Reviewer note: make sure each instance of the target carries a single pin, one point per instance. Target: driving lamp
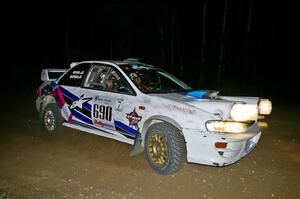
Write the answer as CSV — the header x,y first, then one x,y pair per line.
x,y
244,112
264,107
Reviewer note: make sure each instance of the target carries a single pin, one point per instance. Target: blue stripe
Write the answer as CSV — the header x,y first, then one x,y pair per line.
x,y
75,98
87,106
53,84
126,128
69,94
81,116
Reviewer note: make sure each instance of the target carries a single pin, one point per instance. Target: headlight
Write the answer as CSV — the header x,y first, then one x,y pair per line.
x,y
244,112
227,126
264,107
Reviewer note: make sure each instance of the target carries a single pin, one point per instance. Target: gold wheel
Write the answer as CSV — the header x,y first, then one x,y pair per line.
x,y
158,149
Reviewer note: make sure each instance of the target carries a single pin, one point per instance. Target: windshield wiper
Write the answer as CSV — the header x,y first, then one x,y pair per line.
x,y
180,90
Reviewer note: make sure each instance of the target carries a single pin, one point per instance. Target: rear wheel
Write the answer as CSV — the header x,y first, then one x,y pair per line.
x,y
51,118
165,148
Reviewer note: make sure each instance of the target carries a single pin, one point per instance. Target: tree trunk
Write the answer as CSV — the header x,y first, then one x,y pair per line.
x,y
111,46
179,51
45,50
203,40
67,40
222,44
172,39
203,49
162,45
246,47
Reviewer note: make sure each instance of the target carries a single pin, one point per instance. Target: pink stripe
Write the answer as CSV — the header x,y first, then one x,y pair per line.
x,y
70,119
59,97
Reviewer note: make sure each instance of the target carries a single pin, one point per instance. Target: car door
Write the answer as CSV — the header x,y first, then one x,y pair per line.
x,y
77,104
110,95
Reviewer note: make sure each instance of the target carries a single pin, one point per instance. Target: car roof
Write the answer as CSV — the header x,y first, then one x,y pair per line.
x,y
130,61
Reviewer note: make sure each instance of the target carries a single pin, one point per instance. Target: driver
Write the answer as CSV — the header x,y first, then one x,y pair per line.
x,y
111,83
137,79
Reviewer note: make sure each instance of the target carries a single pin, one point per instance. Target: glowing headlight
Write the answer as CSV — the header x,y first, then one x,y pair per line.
x,y
227,126
244,112
264,107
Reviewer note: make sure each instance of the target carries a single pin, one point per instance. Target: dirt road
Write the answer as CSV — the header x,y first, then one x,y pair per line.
x,y
73,164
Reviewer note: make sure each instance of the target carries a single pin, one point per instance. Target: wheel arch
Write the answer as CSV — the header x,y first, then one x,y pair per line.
x,y
48,99
155,119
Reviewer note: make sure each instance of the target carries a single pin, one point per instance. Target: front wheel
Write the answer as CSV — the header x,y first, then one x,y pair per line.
x,y
51,118
165,148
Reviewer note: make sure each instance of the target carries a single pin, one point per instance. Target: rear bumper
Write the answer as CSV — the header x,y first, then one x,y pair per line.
x,y
38,103
201,147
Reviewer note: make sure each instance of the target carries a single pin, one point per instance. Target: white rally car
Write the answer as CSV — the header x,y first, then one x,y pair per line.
x,y
152,110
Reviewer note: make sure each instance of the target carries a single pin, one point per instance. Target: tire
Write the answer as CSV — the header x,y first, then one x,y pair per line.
x,y
165,148
51,118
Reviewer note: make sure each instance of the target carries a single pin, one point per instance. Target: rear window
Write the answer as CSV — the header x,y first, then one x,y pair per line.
x,y
75,76
54,75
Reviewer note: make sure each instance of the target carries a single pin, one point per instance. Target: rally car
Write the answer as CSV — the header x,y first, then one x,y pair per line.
x,y
152,110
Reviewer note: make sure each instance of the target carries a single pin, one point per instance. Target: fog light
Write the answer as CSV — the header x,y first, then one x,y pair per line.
x,y
227,126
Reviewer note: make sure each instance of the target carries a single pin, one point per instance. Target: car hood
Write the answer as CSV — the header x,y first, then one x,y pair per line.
x,y
204,100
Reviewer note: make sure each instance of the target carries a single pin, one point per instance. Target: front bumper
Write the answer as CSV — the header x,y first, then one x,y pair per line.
x,y
201,147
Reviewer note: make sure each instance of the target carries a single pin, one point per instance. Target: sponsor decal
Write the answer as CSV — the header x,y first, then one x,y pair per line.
x,y
70,104
118,105
80,102
98,122
76,74
102,100
181,109
133,119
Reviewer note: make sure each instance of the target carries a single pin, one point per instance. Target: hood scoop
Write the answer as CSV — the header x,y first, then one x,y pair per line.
x,y
203,94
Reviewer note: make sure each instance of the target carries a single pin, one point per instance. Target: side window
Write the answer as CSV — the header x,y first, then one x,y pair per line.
x,y
103,77
74,76
116,82
97,76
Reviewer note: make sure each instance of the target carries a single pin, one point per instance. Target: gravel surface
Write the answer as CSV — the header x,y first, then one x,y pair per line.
x,y
74,164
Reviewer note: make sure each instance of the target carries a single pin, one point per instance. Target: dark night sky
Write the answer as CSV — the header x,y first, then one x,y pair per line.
x,y
50,34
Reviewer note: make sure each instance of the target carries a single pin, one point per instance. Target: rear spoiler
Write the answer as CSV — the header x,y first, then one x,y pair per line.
x,y
51,74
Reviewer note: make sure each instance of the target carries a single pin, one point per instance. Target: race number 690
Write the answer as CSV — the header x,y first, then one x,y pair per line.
x,y
102,112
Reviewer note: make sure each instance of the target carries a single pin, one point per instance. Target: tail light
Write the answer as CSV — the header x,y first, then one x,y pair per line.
x,y
38,92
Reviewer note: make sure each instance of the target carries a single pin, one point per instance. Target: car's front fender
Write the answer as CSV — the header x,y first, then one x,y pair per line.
x,y
155,119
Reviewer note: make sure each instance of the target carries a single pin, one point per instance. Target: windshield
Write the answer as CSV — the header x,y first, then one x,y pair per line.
x,y
153,80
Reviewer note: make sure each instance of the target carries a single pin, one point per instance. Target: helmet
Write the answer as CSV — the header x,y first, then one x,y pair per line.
x,y
133,75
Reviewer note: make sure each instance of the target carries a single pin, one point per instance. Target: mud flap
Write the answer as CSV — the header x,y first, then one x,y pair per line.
x,y
137,147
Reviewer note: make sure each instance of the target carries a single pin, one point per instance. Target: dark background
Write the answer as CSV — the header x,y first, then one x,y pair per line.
x,y
239,47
